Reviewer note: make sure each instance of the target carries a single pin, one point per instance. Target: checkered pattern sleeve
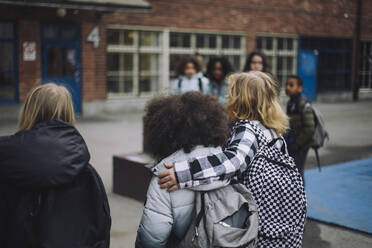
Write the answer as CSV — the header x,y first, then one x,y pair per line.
x,y
237,154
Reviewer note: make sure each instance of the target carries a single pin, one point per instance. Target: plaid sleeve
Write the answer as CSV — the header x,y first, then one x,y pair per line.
x,y
234,159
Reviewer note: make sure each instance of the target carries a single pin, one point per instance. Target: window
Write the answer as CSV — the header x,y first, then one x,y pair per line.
x,y
334,62
281,54
8,75
206,46
365,71
133,61
137,60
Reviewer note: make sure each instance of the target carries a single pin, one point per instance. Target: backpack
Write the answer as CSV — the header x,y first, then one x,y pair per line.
x,y
277,188
320,132
200,84
224,217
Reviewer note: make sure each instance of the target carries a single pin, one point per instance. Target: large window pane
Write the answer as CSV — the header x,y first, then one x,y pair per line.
x,y
120,84
200,41
50,32
269,43
259,43
113,61
149,74
182,40
365,71
235,62
225,41
236,40
231,42
113,37
120,37
206,41
120,73
61,62
69,33
150,39
127,38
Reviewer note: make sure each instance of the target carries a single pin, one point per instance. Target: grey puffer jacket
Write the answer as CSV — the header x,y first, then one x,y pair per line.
x,y
170,213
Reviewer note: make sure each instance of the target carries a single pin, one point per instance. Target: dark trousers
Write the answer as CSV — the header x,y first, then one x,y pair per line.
x,y
300,159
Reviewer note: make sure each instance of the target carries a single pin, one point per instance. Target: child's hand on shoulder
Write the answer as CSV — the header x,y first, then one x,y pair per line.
x,y
167,179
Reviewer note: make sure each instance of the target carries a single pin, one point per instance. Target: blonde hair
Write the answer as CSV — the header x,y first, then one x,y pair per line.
x,y
253,96
47,102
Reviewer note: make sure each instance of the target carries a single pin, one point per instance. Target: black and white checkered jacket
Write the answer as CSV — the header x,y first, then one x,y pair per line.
x,y
258,159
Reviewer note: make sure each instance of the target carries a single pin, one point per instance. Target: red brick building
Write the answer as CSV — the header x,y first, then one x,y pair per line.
x,y
114,55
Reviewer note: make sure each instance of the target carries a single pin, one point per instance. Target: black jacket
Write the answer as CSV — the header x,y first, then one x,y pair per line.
x,y
50,196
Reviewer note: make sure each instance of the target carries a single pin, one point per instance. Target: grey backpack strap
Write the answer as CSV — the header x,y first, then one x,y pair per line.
x,y
307,105
200,215
200,84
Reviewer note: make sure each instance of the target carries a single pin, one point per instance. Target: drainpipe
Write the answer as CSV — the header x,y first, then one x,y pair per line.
x,y
356,52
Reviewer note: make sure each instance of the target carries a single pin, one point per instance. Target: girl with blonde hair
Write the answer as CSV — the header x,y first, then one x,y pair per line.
x,y
256,135
50,195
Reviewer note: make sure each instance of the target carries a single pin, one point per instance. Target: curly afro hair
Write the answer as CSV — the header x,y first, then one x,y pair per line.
x,y
183,121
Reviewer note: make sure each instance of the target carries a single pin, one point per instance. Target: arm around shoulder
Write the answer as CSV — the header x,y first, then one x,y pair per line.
x,y
233,160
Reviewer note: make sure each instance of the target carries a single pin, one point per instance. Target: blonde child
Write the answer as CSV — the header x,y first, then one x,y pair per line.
x,y
51,195
258,119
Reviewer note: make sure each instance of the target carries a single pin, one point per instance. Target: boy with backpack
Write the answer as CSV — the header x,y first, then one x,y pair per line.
x,y
301,122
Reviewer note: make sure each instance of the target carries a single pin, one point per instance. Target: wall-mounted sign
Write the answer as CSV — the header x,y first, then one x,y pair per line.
x,y
29,51
94,37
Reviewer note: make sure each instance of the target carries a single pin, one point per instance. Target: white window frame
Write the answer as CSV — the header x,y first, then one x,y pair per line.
x,y
218,51
363,70
136,50
164,51
275,53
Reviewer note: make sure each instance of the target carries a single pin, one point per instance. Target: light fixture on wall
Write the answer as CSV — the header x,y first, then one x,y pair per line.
x,y
61,12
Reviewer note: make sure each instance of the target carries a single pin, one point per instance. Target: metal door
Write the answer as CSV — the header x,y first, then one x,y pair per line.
x,y
61,58
307,70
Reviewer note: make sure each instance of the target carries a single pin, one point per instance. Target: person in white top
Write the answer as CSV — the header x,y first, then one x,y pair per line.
x,y
190,78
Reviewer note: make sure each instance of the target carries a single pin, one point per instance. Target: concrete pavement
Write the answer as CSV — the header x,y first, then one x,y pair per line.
x,y
349,125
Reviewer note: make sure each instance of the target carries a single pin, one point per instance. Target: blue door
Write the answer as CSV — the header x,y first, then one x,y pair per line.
x,y
61,58
307,70
8,63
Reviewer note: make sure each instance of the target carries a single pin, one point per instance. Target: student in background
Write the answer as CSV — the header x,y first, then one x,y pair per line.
x,y
256,61
301,122
217,70
190,77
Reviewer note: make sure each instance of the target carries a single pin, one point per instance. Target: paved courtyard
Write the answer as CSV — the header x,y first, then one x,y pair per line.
x,y
349,125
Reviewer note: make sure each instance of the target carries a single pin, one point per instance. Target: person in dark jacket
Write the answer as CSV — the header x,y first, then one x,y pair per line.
x,y
301,122
51,197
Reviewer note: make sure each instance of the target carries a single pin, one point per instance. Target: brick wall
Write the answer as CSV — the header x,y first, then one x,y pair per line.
x,y
29,72
333,18
93,62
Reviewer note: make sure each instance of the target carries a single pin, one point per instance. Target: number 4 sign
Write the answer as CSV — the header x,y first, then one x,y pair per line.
x,y
94,37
